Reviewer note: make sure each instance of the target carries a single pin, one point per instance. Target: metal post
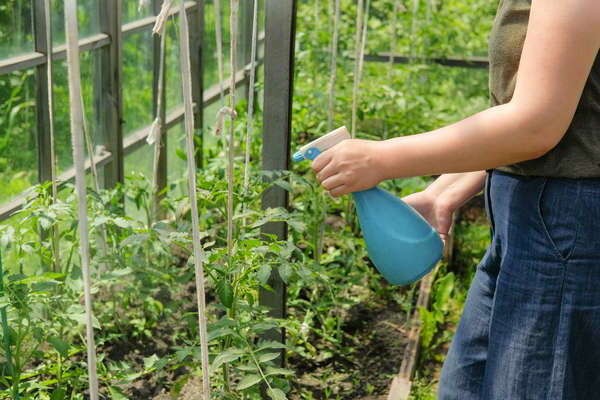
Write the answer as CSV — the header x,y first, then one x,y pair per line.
x,y
279,73
197,36
42,107
110,94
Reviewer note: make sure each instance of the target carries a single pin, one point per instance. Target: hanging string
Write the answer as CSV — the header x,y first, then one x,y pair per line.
x,y
79,159
231,147
219,37
251,96
333,73
53,173
191,161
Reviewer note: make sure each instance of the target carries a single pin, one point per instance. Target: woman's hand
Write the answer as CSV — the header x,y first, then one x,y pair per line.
x,y
435,209
350,166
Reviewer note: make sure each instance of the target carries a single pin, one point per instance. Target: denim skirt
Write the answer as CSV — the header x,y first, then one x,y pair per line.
x,y
531,323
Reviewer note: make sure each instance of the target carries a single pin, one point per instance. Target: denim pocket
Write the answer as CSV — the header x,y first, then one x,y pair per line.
x,y
559,214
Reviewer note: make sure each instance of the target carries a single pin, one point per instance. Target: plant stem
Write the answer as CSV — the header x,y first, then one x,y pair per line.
x,y
6,334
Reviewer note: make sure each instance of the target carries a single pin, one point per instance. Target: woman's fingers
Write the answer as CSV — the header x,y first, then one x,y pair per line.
x,y
321,161
340,191
332,182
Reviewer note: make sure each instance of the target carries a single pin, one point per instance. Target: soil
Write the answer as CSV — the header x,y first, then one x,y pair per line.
x,y
375,338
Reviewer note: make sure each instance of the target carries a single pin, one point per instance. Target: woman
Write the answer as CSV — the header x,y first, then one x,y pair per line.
x,y
531,323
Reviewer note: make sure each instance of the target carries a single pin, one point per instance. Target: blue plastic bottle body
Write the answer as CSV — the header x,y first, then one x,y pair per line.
x,y
400,242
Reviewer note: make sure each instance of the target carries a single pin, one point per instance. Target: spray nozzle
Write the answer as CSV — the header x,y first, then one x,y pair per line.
x,y
311,150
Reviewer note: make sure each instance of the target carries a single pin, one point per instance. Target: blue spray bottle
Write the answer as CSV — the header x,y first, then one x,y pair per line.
x,y
400,242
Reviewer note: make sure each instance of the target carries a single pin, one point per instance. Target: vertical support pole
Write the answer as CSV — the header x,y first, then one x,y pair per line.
x,y
156,61
197,36
279,73
41,89
110,107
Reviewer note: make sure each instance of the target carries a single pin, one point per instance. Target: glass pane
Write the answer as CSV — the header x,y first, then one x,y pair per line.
x,y
16,27
137,81
176,166
87,16
173,61
136,9
18,141
211,75
62,124
138,172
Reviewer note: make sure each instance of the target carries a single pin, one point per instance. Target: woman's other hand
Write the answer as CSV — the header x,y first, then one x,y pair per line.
x,y
435,209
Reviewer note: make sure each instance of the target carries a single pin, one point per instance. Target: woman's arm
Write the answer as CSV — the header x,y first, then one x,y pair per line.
x,y
443,197
562,43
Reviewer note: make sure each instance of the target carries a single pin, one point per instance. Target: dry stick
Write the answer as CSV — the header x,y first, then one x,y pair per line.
x,y
334,53
155,137
157,129
220,62
359,22
251,95
79,159
53,173
413,29
231,147
394,41
191,161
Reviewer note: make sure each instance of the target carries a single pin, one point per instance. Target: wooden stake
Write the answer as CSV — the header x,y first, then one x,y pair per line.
x,y
80,186
191,161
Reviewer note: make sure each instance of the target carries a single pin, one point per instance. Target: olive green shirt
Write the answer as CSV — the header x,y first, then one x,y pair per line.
x,y
578,153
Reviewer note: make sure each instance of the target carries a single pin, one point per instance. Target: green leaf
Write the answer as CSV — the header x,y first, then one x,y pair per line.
x,y
116,393
60,345
218,333
263,345
58,394
225,292
285,272
263,358
150,362
264,273
248,381
276,394
444,288
181,154
278,371
227,356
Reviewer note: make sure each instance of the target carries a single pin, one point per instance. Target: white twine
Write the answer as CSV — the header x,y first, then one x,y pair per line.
x,y
251,96
219,38
333,73
198,251
359,22
50,88
77,123
162,18
220,122
231,148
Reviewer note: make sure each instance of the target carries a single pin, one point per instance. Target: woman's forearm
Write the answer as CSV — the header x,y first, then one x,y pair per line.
x,y
499,136
454,190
